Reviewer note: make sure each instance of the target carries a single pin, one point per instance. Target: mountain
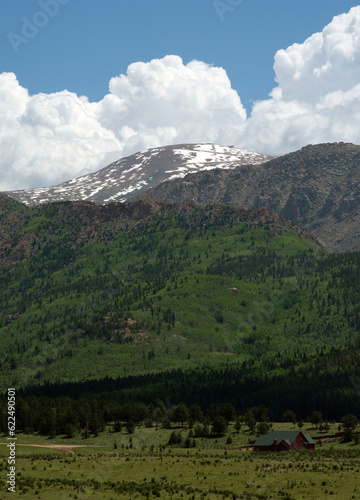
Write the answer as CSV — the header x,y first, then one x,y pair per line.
x,y
144,300
317,188
135,173
121,284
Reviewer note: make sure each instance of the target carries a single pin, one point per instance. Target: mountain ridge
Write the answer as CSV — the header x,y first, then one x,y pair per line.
x,y
87,221
316,187
133,174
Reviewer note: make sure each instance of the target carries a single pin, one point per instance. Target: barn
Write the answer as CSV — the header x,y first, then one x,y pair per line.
x,y
284,441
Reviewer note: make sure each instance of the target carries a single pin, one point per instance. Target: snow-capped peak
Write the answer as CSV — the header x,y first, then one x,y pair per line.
x,y
134,174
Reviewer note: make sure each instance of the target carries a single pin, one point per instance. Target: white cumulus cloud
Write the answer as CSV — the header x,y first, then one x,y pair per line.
x,y
318,93
324,63
49,138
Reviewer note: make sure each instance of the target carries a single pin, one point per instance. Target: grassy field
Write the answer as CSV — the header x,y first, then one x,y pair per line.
x,y
142,465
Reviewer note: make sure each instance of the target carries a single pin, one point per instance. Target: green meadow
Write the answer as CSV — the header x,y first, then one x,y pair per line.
x,y
143,465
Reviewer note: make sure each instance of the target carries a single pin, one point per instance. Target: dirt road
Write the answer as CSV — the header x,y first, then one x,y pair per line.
x,y
66,448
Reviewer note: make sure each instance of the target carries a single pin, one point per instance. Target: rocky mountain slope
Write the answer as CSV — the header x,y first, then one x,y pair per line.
x,y
317,188
135,173
24,231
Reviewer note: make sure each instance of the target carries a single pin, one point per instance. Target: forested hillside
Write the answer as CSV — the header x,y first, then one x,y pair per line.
x,y
204,303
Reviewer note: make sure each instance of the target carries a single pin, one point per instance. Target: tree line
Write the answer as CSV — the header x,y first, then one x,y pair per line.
x,y
65,416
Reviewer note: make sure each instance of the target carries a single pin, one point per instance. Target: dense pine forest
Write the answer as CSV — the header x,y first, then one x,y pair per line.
x,y
201,305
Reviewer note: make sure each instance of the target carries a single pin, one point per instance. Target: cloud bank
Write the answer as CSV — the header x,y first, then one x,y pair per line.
x,y
318,94
49,138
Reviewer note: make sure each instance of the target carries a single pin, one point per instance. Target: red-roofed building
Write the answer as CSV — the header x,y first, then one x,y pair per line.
x,y
284,441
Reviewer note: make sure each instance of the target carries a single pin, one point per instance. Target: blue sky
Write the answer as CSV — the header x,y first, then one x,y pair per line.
x,y
84,83
88,42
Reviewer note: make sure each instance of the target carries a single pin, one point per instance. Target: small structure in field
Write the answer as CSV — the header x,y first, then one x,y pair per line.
x,y
284,441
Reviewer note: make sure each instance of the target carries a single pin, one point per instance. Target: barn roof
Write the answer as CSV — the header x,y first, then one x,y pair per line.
x,y
287,436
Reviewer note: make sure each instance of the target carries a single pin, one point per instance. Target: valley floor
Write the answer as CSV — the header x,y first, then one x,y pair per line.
x,y
144,468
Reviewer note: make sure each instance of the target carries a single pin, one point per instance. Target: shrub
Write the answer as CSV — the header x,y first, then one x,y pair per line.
x,y
262,428
219,426
130,427
175,438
